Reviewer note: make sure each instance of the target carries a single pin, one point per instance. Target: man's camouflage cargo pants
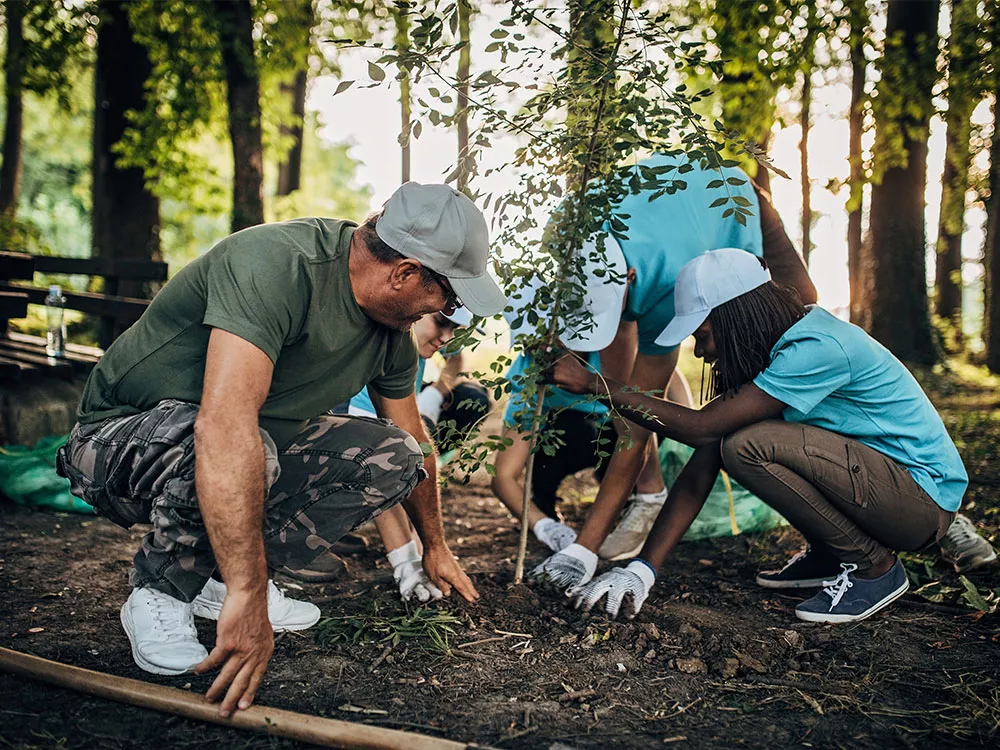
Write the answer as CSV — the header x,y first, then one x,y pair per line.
x,y
335,475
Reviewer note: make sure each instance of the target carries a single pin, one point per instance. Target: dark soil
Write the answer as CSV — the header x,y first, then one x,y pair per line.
x,y
712,660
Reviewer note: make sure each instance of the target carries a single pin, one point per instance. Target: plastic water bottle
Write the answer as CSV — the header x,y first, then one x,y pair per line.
x,y
55,307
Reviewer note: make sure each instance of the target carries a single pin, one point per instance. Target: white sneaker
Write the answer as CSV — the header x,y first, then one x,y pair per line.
x,y
284,613
633,528
161,631
964,548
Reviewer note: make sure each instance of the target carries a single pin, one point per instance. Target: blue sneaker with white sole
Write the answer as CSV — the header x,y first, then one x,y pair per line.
x,y
848,598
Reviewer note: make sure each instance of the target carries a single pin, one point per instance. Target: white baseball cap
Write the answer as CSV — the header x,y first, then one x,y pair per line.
x,y
522,300
443,229
706,282
605,274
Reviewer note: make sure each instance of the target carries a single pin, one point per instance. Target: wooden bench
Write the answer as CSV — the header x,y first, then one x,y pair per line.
x,y
21,354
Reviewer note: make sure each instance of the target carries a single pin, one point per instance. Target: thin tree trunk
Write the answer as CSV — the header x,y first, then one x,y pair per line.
x,y
855,262
804,166
462,115
290,170
955,181
235,19
991,246
10,172
125,215
900,314
405,104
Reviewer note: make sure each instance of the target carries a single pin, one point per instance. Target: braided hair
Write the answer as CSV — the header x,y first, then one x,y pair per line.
x,y
745,329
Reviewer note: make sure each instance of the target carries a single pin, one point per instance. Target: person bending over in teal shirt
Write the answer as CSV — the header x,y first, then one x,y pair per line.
x,y
814,417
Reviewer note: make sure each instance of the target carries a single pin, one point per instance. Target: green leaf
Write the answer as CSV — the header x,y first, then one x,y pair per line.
x,y
719,202
739,200
417,129
714,184
375,72
343,86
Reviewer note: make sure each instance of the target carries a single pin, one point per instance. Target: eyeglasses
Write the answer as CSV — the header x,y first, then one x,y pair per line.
x,y
451,299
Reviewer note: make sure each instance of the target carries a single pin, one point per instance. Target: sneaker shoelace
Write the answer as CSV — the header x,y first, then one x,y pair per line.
x,y
961,533
800,555
170,620
836,588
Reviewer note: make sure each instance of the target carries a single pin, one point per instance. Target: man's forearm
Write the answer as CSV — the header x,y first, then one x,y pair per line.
x,y
424,505
229,479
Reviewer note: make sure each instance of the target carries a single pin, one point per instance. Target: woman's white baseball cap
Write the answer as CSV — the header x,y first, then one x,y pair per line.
x,y
445,231
706,282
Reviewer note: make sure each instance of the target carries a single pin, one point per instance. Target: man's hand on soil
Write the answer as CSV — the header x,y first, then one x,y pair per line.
x,y
444,571
634,581
244,643
574,566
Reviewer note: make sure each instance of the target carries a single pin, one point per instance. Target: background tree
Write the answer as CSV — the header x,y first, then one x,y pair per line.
x,y
43,40
857,23
234,20
899,306
10,171
963,62
125,215
465,162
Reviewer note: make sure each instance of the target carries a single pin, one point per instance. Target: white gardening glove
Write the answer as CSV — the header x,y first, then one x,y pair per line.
x,y
571,567
635,579
556,536
429,403
409,573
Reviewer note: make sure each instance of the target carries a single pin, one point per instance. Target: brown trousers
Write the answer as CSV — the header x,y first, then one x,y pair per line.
x,y
845,498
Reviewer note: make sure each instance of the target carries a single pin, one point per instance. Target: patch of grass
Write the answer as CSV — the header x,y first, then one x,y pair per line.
x,y
427,627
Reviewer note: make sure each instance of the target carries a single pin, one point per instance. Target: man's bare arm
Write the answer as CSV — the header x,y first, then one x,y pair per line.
x,y
229,479
424,503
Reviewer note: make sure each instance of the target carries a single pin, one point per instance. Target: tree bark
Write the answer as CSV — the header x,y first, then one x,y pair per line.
x,y
991,246
290,170
126,214
405,104
10,172
462,115
855,261
955,181
235,24
804,166
900,314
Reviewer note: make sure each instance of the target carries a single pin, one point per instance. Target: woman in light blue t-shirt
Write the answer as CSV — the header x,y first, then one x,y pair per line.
x,y
814,417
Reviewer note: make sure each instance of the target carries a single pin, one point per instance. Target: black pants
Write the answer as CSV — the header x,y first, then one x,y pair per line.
x,y
469,402
584,437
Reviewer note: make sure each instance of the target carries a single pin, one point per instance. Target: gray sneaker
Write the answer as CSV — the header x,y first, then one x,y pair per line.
x,y
629,536
848,598
964,548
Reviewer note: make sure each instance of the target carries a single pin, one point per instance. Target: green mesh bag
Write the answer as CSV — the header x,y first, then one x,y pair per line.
x,y
730,508
28,477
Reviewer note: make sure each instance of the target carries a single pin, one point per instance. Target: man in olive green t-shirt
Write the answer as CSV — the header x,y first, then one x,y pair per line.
x,y
208,419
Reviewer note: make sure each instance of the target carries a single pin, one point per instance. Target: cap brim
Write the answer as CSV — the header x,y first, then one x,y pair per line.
x,y
601,331
481,295
681,327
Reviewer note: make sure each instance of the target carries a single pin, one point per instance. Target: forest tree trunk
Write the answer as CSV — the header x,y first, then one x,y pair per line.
x,y
235,24
855,261
290,169
10,172
955,181
900,314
